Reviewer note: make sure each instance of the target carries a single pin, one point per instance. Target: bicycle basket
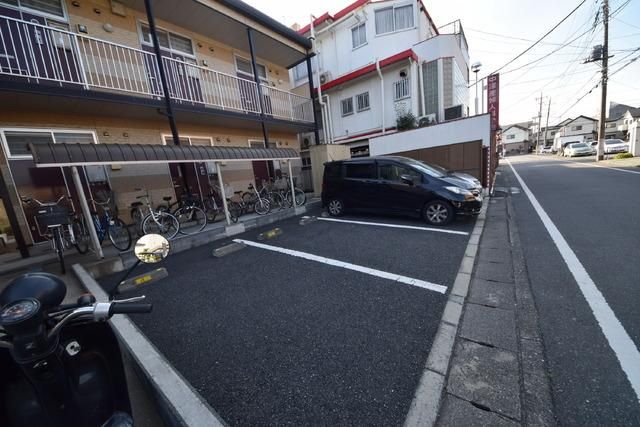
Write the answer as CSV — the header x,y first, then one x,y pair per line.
x,y
48,216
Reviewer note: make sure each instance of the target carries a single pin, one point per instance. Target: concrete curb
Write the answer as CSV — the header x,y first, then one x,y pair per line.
x,y
428,396
185,404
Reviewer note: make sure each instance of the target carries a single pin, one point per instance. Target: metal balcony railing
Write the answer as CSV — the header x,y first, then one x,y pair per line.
x,y
38,53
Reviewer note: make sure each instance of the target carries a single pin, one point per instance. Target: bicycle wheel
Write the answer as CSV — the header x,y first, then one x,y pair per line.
x,y
301,198
136,220
262,206
162,223
119,234
80,235
191,218
58,245
276,200
211,210
235,210
249,200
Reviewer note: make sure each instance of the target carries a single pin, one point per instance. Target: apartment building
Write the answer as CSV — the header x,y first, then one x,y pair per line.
x,y
87,71
377,61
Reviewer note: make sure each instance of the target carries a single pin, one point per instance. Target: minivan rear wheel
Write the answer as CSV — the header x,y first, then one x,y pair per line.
x,y
335,207
438,212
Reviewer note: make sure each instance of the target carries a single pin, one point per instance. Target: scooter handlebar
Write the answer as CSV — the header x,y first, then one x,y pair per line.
x,y
128,308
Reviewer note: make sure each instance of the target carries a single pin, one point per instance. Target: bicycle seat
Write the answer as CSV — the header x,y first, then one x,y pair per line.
x,y
136,204
166,198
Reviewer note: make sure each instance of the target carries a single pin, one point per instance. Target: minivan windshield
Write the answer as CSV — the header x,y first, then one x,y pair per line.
x,y
436,172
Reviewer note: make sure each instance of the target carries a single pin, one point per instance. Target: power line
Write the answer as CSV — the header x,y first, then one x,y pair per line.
x,y
540,39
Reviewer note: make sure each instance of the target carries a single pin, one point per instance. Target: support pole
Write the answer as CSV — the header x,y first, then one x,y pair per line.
x,y
254,66
13,219
546,127
293,193
95,242
605,71
539,125
313,94
223,196
163,76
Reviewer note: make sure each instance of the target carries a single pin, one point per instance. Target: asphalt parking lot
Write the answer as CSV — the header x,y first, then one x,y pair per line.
x,y
329,323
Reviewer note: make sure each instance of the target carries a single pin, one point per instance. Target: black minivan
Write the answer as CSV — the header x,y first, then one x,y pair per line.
x,y
399,185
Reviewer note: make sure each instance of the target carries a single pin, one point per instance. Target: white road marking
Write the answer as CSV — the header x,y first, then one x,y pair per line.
x,y
334,262
585,164
381,224
618,338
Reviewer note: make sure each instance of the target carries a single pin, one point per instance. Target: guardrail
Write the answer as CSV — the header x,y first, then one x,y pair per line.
x,y
38,52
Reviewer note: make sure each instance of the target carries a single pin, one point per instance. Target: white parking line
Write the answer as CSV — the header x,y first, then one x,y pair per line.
x,y
381,224
618,338
334,262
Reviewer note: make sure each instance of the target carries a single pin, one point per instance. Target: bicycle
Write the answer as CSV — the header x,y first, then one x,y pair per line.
x,y
213,207
274,197
190,215
155,221
105,225
253,201
300,196
54,223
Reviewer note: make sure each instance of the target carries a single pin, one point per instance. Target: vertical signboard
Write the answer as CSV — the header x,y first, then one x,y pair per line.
x,y
493,108
493,100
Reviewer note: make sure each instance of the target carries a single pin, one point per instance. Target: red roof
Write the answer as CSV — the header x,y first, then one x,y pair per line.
x,y
353,6
370,68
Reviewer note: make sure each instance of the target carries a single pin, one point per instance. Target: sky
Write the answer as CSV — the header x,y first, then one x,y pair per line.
x,y
498,30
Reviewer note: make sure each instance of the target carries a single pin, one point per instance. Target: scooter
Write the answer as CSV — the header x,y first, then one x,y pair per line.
x,y
60,365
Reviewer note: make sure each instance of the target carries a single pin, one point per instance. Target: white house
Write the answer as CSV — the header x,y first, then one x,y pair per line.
x,y
515,139
378,60
582,128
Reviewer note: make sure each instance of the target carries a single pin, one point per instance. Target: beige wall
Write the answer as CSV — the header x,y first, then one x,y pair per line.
x,y
125,31
125,178
320,154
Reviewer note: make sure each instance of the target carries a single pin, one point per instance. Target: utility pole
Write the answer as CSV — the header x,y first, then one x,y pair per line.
x,y
539,125
546,127
605,70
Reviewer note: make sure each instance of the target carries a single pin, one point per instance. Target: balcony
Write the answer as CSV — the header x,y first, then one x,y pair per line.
x,y
43,55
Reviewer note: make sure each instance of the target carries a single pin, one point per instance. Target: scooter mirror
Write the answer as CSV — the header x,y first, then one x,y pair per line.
x,y
151,248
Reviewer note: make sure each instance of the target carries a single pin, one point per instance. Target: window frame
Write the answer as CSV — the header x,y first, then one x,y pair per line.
x,y
342,103
394,7
261,141
27,9
368,107
263,80
169,49
52,131
357,27
414,171
407,85
164,137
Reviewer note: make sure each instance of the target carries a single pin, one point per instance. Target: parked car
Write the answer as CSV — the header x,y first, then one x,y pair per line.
x,y
579,149
612,146
401,186
546,150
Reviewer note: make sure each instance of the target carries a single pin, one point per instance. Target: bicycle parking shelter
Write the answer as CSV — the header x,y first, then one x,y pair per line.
x,y
74,155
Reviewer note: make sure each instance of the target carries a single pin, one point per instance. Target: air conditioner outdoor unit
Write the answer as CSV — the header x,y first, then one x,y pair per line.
x,y
325,77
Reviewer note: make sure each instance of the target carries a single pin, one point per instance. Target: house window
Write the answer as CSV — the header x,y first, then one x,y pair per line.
x,y
511,137
258,143
347,106
18,140
401,89
300,72
358,35
244,67
579,127
47,7
189,140
362,101
395,18
168,40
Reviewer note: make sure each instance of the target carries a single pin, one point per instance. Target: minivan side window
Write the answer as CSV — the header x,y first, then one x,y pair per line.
x,y
332,170
361,170
393,172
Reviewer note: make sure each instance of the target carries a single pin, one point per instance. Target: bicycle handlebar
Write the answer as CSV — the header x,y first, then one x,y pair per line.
x,y
33,199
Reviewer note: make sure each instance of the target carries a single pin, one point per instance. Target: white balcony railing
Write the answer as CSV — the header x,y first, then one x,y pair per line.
x,y
38,53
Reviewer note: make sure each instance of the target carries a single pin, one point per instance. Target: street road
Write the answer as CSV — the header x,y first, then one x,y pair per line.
x,y
591,343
